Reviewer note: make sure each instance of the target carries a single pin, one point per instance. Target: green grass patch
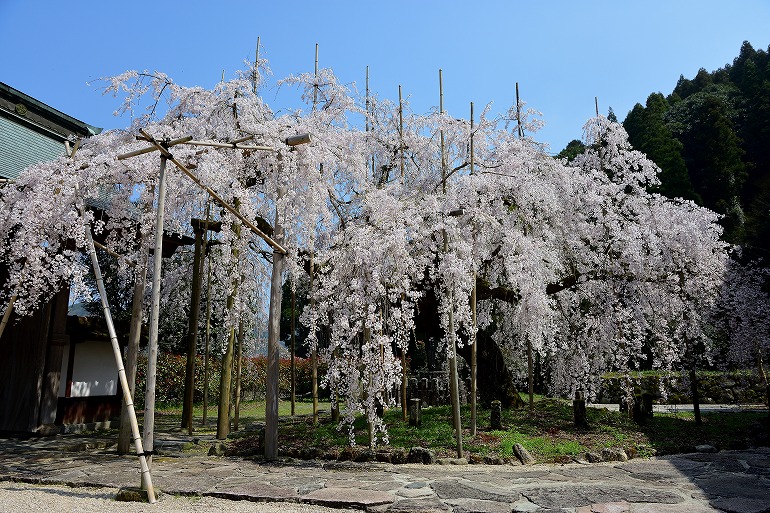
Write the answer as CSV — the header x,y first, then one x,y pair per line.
x,y
547,431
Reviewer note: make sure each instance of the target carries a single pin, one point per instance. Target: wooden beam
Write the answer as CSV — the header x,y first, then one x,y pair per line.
x,y
149,149
232,145
214,195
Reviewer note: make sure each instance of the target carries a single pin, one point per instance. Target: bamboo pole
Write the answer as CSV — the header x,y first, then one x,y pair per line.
x,y
474,327
314,352
518,113
401,131
144,460
441,133
369,126
256,68
150,149
230,145
293,350
530,367
404,406
454,388
315,84
152,358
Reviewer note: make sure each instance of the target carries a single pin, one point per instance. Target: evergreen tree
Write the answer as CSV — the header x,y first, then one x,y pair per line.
x,y
714,160
647,132
574,148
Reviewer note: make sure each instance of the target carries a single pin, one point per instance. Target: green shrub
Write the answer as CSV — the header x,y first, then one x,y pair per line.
x,y
170,373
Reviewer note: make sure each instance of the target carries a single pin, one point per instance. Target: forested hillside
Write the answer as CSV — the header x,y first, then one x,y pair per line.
x,y
711,138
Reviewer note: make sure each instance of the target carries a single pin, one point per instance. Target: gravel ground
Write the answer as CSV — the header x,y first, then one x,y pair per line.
x,y
18,497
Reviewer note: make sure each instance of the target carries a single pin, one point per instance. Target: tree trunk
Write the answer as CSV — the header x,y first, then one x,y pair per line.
x,y
192,336
238,372
132,352
695,395
226,381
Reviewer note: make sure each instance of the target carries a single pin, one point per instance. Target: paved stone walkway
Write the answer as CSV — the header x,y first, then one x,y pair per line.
x,y
732,481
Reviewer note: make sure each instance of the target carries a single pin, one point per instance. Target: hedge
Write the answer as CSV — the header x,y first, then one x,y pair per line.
x,y
169,379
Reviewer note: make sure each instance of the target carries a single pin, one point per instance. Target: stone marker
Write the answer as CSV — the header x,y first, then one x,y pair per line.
x,y
496,415
579,410
524,456
421,455
614,454
415,412
134,494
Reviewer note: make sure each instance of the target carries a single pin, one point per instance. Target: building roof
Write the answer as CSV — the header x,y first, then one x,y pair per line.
x,y
32,132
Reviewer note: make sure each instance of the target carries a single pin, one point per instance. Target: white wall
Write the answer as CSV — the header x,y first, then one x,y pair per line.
x,y
94,371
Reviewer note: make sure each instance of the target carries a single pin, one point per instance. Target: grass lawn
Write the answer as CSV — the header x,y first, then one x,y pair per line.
x,y
547,431
170,416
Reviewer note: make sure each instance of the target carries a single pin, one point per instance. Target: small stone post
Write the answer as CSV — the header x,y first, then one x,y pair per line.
x,y
579,410
496,415
415,412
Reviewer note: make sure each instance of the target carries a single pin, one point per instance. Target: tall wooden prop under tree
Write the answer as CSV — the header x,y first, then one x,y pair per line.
x,y
132,351
454,386
192,329
226,380
474,327
238,374
274,329
152,356
206,342
293,350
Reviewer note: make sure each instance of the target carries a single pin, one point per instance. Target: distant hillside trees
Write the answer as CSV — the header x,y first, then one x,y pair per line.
x,y
710,137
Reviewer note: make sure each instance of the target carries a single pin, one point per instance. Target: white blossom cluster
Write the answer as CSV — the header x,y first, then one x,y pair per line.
x,y
576,258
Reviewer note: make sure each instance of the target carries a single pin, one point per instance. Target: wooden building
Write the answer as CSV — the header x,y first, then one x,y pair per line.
x,y
55,369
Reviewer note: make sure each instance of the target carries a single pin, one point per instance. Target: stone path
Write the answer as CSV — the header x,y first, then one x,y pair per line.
x,y
732,481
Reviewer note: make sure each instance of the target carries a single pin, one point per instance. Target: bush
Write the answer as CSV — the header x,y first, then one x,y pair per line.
x,y
169,378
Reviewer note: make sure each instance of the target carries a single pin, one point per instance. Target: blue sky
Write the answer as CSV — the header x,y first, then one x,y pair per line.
x,y
562,53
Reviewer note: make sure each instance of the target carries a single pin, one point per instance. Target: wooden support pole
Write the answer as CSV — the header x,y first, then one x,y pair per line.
x,y
192,335
132,351
293,350
441,133
274,330
212,194
315,85
232,145
152,350
225,382
144,461
404,406
454,387
474,327
530,375
518,113
150,149
206,342
401,133
256,69
369,126
238,373
314,352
